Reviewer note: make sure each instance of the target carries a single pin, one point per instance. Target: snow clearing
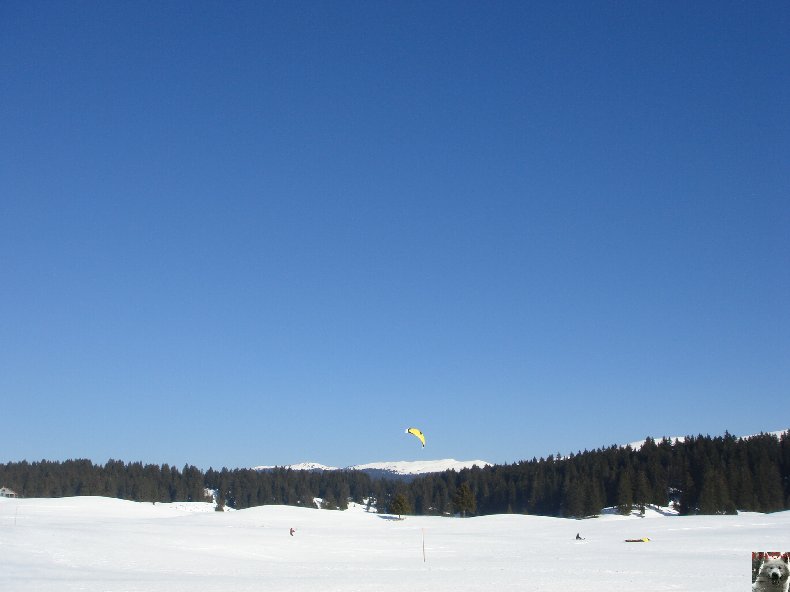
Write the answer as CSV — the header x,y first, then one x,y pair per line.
x,y
98,544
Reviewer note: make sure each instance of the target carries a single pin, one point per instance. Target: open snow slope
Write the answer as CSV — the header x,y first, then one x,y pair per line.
x,y
107,545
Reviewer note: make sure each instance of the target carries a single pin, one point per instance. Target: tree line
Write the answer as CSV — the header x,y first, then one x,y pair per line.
x,y
700,475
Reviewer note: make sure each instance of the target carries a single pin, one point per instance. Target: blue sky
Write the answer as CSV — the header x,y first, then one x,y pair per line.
x,y
241,233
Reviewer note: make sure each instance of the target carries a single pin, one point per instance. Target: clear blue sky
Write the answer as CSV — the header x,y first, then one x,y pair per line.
x,y
240,233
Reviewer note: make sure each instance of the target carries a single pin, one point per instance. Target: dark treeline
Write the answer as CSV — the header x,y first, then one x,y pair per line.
x,y
130,481
246,488
700,475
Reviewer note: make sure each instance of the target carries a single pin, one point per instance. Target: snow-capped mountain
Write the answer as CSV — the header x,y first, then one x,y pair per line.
x,y
304,466
420,467
393,470
406,470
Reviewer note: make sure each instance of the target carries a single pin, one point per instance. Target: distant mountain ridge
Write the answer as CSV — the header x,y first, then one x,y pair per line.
x,y
303,466
402,469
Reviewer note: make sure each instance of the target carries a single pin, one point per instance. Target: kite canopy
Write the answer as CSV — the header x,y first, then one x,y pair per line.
x,y
418,434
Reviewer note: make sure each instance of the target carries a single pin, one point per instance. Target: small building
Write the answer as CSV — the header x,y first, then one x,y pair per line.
x,y
5,492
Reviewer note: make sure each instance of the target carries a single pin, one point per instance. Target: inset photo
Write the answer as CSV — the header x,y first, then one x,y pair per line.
x,y
770,571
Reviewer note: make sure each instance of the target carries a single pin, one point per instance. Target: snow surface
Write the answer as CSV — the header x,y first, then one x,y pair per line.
x,y
95,544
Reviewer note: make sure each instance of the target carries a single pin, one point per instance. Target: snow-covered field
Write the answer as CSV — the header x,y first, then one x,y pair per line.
x,y
99,544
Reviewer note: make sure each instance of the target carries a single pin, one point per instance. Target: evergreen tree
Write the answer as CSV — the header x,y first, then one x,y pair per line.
x,y
400,505
329,502
642,492
572,502
593,500
464,499
625,496
768,480
688,498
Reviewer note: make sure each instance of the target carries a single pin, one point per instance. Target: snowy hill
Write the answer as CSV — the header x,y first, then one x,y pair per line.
x,y
98,544
403,469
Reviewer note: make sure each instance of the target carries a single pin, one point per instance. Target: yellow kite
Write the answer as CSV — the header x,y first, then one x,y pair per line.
x,y
417,433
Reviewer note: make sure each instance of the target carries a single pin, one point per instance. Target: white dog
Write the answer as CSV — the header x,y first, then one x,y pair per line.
x,y
774,575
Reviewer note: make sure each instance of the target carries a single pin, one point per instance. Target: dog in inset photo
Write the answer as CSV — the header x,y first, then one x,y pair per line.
x,y
773,575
